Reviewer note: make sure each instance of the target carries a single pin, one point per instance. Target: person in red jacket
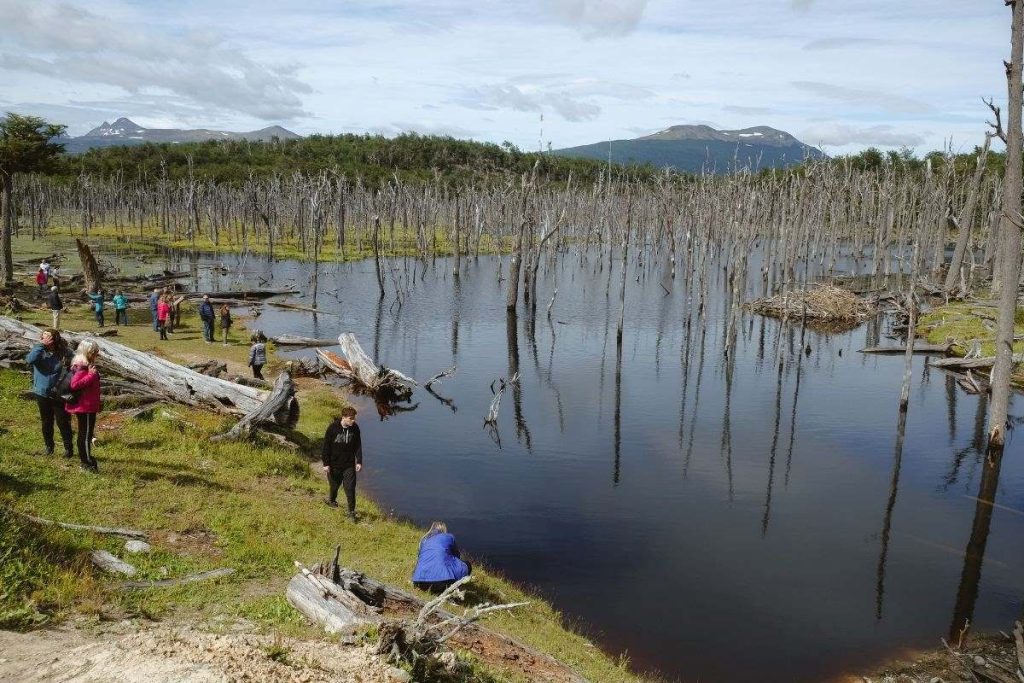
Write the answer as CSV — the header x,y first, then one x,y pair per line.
x,y
163,313
85,385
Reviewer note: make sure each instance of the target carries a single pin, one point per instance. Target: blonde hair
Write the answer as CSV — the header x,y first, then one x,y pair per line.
x,y
86,352
436,528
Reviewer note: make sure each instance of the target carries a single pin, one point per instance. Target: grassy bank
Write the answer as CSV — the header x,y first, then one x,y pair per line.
x,y
962,324
252,506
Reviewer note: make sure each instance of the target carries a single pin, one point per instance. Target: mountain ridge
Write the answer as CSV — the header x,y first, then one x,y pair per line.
x,y
125,132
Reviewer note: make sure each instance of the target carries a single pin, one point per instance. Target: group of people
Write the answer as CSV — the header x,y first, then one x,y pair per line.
x,y
45,275
66,384
97,301
439,563
209,318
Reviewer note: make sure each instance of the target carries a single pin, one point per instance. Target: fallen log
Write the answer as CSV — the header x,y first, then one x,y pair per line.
x,y
294,340
964,363
191,578
281,409
301,307
111,564
318,600
170,380
918,348
243,293
109,531
213,368
366,372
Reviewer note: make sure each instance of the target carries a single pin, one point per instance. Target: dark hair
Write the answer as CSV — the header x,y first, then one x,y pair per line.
x,y
348,411
60,347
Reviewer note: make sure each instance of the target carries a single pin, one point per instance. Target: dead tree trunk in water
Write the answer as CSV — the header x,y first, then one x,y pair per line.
x,y
376,255
1011,224
90,269
966,220
622,290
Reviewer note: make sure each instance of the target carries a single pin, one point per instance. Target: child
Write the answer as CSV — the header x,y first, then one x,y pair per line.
x,y
258,355
163,312
120,309
41,280
85,383
97,305
342,457
225,321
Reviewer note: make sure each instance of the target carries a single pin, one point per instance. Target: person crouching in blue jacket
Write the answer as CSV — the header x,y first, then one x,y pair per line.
x,y
439,565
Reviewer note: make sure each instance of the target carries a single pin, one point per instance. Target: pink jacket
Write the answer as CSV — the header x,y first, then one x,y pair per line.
x,y
163,310
86,383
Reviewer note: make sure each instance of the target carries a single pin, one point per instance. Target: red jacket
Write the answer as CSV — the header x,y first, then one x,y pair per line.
x,y
86,383
163,310
41,277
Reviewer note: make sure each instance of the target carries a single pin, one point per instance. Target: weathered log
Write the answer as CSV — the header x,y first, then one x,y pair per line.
x,y
243,293
109,531
112,564
170,380
90,269
213,368
302,307
191,578
359,367
918,348
281,408
964,363
318,599
251,382
294,340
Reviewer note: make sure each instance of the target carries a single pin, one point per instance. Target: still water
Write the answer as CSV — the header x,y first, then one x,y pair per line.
x,y
716,520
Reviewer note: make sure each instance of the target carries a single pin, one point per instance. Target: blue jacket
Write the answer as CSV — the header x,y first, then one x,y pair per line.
x,y
97,302
46,368
439,560
206,311
120,302
153,300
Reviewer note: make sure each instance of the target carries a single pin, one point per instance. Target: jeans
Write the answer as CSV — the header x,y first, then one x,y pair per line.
x,y
345,479
156,323
208,330
121,316
99,318
86,429
52,410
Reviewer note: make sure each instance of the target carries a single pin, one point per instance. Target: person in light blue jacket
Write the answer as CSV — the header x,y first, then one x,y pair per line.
x,y
97,305
439,564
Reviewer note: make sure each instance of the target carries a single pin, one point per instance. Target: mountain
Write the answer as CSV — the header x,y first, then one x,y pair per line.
x,y
126,132
702,148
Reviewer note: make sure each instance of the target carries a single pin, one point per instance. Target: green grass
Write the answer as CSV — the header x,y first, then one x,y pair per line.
x,y
252,506
964,323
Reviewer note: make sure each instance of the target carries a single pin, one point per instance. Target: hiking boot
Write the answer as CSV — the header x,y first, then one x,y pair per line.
x,y
352,516
330,503
91,467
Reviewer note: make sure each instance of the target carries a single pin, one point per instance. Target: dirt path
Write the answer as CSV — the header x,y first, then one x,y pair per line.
x,y
166,654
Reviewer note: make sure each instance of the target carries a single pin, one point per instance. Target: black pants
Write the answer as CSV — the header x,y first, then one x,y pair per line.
x,y
86,428
121,316
163,328
257,371
52,410
437,587
346,479
99,318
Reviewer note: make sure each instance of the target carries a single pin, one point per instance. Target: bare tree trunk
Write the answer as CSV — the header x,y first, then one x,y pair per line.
x,y
376,255
6,259
1010,232
90,269
966,220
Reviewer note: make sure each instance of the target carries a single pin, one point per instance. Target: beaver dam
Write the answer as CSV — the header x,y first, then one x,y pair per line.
x,y
728,476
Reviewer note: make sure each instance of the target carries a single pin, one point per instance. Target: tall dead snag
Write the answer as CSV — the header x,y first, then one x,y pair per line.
x,y
515,265
1011,223
90,269
966,220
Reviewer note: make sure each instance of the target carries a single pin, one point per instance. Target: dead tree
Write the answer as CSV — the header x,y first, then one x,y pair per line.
x,y
281,409
966,220
90,269
1011,223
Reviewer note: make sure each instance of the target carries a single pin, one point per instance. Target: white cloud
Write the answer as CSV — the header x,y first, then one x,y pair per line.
x,y
887,102
599,17
840,135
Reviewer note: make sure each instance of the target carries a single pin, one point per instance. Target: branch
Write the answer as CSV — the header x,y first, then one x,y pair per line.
x,y
997,127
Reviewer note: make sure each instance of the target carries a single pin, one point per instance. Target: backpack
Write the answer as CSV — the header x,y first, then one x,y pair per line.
x,y
61,389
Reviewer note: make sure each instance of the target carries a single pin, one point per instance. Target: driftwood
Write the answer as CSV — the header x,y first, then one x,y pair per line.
x,y
90,269
964,363
439,377
251,382
330,603
358,367
918,348
112,564
293,340
191,578
243,293
213,368
170,380
302,307
109,531
281,408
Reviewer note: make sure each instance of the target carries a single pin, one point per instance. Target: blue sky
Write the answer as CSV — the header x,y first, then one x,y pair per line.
x,y
841,74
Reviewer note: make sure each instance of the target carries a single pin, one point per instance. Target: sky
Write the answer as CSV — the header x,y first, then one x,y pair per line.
x,y
840,74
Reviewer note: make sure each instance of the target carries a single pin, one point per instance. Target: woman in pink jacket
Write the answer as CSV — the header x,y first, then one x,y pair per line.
x,y
163,313
85,385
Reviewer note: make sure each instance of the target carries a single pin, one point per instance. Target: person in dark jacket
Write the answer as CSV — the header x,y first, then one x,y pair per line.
x,y
258,354
49,360
208,316
55,305
225,321
342,458
154,299
439,565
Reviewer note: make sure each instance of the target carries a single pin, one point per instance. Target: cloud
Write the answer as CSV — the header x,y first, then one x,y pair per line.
x,y
492,97
840,134
747,111
840,43
887,102
72,44
801,4
594,18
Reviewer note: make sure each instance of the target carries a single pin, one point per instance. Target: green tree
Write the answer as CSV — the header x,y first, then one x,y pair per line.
x,y
26,145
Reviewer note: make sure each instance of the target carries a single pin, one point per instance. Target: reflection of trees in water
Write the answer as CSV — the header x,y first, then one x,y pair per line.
x,y
890,505
974,554
512,343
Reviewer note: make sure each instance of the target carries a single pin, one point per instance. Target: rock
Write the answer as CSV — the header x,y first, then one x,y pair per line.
x,y
399,675
134,546
936,680
980,661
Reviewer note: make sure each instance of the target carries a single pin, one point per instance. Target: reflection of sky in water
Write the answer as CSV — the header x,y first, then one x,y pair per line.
x,y
707,558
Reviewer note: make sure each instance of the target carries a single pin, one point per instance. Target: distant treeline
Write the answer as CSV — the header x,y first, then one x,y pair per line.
x,y
375,160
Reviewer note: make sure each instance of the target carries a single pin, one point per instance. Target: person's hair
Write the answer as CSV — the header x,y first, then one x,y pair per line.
x,y
258,337
348,411
436,527
53,289
86,352
156,290
206,296
60,347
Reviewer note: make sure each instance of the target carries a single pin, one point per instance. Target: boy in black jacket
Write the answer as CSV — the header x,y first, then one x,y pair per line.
x,y
342,457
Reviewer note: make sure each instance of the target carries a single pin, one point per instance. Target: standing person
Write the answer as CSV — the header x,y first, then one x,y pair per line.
x,y
56,306
49,359
45,266
154,299
52,274
258,355
120,308
163,312
342,458
207,315
41,278
97,305
439,564
225,321
85,382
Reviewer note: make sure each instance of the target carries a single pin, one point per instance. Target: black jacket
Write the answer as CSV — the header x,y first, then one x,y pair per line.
x,y
342,446
54,301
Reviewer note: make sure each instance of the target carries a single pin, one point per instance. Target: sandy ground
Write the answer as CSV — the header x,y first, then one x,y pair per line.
x,y
164,654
